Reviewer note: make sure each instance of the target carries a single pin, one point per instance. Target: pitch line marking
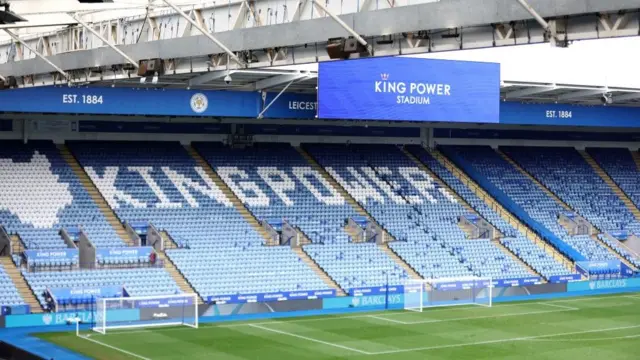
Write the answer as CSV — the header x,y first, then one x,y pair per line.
x,y
431,321
113,347
591,339
489,342
387,319
309,339
559,306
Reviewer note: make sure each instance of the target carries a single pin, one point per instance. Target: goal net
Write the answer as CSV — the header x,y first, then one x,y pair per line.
x,y
148,311
419,294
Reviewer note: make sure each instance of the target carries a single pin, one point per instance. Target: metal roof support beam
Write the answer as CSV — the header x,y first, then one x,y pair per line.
x,y
297,13
210,76
364,5
581,94
353,33
38,54
105,41
205,33
534,13
279,80
531,91
261,115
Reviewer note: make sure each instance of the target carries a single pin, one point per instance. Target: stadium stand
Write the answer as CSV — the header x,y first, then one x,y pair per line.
x,y
288,188
621,167
137,282
9,295
528,196
161,183
526,250
419,214
565,172
40,195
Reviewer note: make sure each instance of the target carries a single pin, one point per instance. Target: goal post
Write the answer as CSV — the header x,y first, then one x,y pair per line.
x,y
424,293
146,311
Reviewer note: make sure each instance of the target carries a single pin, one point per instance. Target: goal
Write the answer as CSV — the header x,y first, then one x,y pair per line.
x,y
147,311
420,294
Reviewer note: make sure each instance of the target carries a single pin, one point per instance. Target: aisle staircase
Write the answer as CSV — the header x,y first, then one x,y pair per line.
x,y
444,185
635,154
342,191
398,260
167,240
20,283
500,210
177,276
469,208
95,194
237,203
17,246
614,187
318,270
534,180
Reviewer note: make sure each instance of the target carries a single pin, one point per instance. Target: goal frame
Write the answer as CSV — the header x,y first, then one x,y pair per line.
x,y
419,288
101,321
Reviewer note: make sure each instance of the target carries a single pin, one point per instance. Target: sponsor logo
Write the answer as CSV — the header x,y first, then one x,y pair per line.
x,y
355,301
412,93
160,315
199,103
607,284
46,319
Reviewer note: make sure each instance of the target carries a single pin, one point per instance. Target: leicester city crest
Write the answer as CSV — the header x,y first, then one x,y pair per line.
x,y
199,103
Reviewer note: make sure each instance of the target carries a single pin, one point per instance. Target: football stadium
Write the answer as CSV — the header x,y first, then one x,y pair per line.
x,y
315,179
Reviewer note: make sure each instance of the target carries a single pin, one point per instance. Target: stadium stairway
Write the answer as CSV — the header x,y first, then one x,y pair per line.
x,y
318,270
360,210
167,240
440,182
395,257
177,276
95,194
614,187
344,193
562,203
467,206
20,283
534,180
237,203
636,158
498,208
17,246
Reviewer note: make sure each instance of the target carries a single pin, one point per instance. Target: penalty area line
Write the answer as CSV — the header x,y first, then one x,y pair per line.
x,y
113,347
499,341
309,339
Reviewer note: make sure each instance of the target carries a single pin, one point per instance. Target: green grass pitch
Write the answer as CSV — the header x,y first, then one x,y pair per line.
x,y
599,328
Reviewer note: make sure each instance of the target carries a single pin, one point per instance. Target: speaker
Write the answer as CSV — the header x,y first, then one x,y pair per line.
x,y
351,46
150,67
336,51
12,82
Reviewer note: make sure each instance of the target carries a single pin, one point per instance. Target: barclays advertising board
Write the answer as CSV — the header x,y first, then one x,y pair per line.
x,y
410,89
46,319
613,284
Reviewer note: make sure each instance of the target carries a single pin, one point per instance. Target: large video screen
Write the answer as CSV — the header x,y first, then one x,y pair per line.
x,y
409,89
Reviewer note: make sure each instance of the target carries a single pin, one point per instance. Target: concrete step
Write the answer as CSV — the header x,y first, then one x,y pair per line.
x,y
621,258
444,185
168,241
398,260
95,194
342,191
177,276
515,257
237,203
500,210
319,271
21,284
609,181
16,244
636,158
534,180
